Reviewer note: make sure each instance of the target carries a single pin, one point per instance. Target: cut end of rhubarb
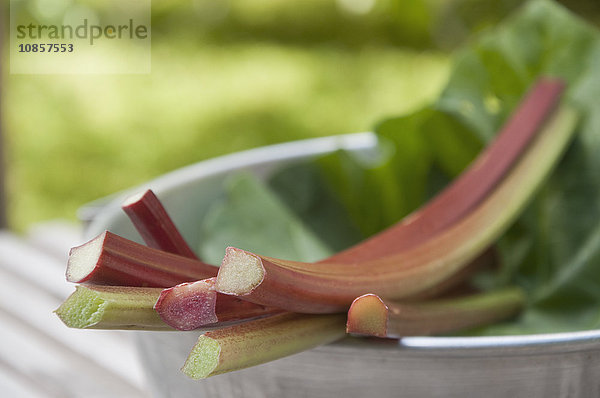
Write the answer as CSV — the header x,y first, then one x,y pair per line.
x,y
240,273
135,198
188,306
82,309
368,316
83,259
203,359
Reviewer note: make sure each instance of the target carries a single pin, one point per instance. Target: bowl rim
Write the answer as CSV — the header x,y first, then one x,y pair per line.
x,y
101,211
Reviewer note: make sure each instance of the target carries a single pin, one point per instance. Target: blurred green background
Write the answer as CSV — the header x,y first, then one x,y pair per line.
x,y
226,76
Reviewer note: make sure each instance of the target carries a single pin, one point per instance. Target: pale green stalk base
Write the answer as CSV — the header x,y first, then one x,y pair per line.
x,y
442,316
260,341
112,307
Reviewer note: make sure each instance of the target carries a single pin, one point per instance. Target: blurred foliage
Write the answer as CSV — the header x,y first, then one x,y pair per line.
x,y
75,138
416,23
226,75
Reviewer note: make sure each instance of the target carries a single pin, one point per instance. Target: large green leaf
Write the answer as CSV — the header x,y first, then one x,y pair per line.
x,y
303,189
490,76
253,218
553,250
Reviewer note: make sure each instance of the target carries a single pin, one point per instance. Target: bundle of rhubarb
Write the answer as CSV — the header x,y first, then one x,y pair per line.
x,y
430,235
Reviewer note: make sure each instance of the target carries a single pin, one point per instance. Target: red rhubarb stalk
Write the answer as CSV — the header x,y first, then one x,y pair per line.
x,y
467,191
459,283
186,306
331,287
110,259
234,309
189,305
472,186
369,315
192,305
153,223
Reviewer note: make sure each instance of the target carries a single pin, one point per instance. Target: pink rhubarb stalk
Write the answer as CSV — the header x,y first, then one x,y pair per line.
x,y
260,341
332,286
192,305
369,315
186,306
459,283
154,224
472,186
110,259
189,305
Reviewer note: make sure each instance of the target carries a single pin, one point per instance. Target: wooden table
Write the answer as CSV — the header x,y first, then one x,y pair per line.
x,y
39,355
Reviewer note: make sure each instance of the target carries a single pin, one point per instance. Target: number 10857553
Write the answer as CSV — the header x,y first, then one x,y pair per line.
x,y
45,48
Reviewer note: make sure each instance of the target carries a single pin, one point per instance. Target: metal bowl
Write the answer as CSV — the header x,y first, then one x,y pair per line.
x,y
544,365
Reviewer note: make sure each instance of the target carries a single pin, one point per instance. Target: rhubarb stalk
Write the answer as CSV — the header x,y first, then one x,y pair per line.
x,y
331,287
110,259
112,307
260,341
192,305
472,186
154,224
189,305
459,282
371,316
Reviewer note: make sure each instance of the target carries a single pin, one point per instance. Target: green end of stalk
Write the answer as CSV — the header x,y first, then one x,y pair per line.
x,y
259,341
83,309
203,359
112,307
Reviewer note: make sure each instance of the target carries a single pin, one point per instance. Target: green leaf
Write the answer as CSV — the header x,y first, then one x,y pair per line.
x,y
305,191
553,251
556,234
377,189
253,218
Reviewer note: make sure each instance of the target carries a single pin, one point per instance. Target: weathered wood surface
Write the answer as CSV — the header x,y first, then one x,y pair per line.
x,y
39,356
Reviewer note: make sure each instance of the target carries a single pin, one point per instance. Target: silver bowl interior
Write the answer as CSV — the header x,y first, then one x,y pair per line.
x,y
545,365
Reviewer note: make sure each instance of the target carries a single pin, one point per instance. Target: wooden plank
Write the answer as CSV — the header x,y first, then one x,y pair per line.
x,y
55,238
23,260
16,384
33,286
46,364
111,350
